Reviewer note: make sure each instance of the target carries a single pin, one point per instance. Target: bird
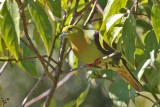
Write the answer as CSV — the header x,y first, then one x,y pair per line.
x,y
87,48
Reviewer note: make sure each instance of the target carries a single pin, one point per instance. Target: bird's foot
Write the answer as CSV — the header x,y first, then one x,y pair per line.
x,y
90,65
97,62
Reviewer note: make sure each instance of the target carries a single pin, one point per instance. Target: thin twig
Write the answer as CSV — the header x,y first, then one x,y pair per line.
x,y
67,52
74,69
29,40
94,20
154,95
25,58
3,67
143,15
49,64
74,12
138,94
32,90
44,94
85,65
100,8
90,15
26,43
108,56
85,8
133,6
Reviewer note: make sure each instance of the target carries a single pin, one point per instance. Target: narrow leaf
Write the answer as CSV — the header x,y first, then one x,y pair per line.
x,y
118,92
70,104
156,20
82,96
128,36
8,29
52,103
150,43
112,7
42,23
111,21
112,35
55,6
64,4
1,48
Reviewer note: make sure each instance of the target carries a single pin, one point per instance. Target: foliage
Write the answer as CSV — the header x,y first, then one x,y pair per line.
x,y
33,39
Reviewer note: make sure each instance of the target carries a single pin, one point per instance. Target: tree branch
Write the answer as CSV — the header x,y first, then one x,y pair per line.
x,y
32,90
100,8
30,42
90,15
25,58
3,67
44,94
85,8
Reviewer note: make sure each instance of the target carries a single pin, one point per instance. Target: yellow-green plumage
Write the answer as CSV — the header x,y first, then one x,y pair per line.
x,y
85,45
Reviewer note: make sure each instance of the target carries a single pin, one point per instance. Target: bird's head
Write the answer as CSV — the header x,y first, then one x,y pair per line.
x,y
71,32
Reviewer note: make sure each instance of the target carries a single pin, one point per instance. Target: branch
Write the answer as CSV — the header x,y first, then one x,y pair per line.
x,y
85,65
67,52
146,97
30,42
44,94
3,67
90,15
100,8
154,95
85,8
108,56
32,90
25,58
74,12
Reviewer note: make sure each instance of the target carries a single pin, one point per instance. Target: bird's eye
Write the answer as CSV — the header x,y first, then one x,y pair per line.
x,y
70,29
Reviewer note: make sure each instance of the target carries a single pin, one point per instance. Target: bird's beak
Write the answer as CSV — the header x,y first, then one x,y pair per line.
x,y
63,35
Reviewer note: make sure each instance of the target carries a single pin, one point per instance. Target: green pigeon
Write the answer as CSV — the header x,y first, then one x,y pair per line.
x,y
87,48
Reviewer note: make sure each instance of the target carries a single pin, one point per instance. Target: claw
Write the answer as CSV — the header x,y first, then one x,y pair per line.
x,y
97,62
90,65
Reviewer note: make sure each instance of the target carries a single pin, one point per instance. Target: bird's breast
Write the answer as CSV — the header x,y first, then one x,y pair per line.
x,y
86,50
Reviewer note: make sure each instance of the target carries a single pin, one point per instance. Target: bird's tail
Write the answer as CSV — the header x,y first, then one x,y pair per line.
x,y
127,75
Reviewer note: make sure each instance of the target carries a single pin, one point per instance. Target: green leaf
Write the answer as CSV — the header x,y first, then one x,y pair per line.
x,y
150,43
64,4
111,36
30,64
1,48
128,36
36,37
132,94
118,92
42,23
70,104
55,6
9,27
82,96
141,68
143,2
108,73
52,103
112,7
156,20
112,20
